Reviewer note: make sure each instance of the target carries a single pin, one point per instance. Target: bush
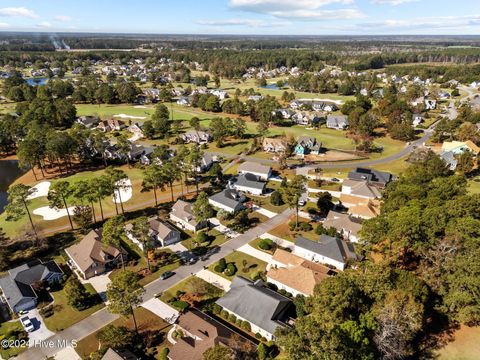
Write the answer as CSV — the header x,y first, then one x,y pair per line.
x,y
319,230
238,322
201,237
232,318
256,275
292,225
224,314
265,244
222,264
164,353
180,304
276,198
258,336
246,325
304,226
230,270
216,309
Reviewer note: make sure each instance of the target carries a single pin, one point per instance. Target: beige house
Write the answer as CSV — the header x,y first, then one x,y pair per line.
x,y
344,224
295,274
182,216
90,257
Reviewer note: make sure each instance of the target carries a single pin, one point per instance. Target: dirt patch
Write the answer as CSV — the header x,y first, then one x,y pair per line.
x,y
333,155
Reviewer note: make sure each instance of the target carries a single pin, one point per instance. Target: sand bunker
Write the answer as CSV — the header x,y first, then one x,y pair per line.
x,y
49,213
125,191
124,116
41,189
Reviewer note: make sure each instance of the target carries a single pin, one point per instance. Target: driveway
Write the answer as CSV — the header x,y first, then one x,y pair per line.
x,y
41,332
99,283
67,353
159,308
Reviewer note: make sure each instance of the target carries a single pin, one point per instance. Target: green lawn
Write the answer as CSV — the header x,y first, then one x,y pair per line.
x,y
65,315
253,265
265,203
254,244
6,327
192,285
474,186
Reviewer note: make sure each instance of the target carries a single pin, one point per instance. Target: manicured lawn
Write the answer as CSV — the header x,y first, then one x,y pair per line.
x,y
147,322
474,186
203,290
66,315
254,244
265,203
465,346
283,231
253,265
217,239
6,327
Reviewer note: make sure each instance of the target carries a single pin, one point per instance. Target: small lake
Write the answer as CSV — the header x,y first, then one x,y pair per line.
x,y
9,172
37,81
273,86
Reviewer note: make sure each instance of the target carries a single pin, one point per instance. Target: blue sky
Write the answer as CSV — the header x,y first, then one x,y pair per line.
x,y
291,17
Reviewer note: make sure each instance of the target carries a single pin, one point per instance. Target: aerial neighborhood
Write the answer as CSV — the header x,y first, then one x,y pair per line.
x,y
224,198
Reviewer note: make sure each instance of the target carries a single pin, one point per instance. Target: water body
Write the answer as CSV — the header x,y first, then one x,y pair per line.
x,y
9,172
37,81
272,86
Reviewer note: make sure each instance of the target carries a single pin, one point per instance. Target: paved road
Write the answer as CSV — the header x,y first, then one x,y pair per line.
x,y
103,317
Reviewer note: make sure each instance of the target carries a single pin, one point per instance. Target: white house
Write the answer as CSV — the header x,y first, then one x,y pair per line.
x,y
228,200
248,183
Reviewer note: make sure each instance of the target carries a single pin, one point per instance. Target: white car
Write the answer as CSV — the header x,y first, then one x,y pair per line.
x,y
27,324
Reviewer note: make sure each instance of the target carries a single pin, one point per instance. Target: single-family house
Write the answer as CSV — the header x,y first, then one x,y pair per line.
x,y
264,172
196,136
248,183
417,119
274,145
284,113
337,122
430,104
182,215
19,285
307,145
206,162
184,101
162,233
228,200
111,125
90,257
255,97
136,130
201,332
344,224
373,177
459,147
449,158
265,309
221,94
294,274
361,189
119,354
327,250
88,121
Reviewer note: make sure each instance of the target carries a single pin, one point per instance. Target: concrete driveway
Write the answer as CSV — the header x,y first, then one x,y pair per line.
x,y
67,353
41,332
159,308
99,283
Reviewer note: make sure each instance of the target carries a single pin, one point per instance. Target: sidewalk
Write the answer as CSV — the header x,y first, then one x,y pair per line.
x,y
214,279
267,213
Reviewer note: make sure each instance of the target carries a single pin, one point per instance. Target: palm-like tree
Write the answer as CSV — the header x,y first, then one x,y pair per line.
x,y
117,178
57,196
153,180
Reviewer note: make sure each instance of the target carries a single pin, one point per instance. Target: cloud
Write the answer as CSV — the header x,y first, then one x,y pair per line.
x,y
445,22
62,18
306,10
44,25
392,2
18,12
242,22
4,25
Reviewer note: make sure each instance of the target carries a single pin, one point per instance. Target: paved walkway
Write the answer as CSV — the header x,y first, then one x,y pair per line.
x,y
102,317
250,250
214,279
159,308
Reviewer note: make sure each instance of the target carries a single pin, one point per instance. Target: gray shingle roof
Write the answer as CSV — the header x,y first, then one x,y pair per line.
x,y
250,181
327,246
256,303
227,197
371,175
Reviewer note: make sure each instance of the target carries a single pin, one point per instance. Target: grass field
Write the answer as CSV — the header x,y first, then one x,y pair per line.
x,y
66,315
190,285
253,265
147,322
465,345
6,327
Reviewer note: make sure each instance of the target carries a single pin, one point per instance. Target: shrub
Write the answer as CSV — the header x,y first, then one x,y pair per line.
x,y
246,325
258,336
276,198
232,318
292,226
265,244
222,264
224,314
304,226
218,269
230,270
256,275
180,304
216,309
319,230
164,353
201,237
238,322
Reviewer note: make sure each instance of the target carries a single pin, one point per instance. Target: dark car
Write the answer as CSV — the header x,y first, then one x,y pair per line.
x,y
166,275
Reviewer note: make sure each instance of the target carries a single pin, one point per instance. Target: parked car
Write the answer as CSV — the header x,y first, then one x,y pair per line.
x,y
27,324
166,275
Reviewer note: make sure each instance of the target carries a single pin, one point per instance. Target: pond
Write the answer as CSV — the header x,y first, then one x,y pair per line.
x,y
36,81
9,172
273,86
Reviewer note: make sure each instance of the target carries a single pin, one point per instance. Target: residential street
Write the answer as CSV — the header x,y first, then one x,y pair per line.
x,y
103,317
